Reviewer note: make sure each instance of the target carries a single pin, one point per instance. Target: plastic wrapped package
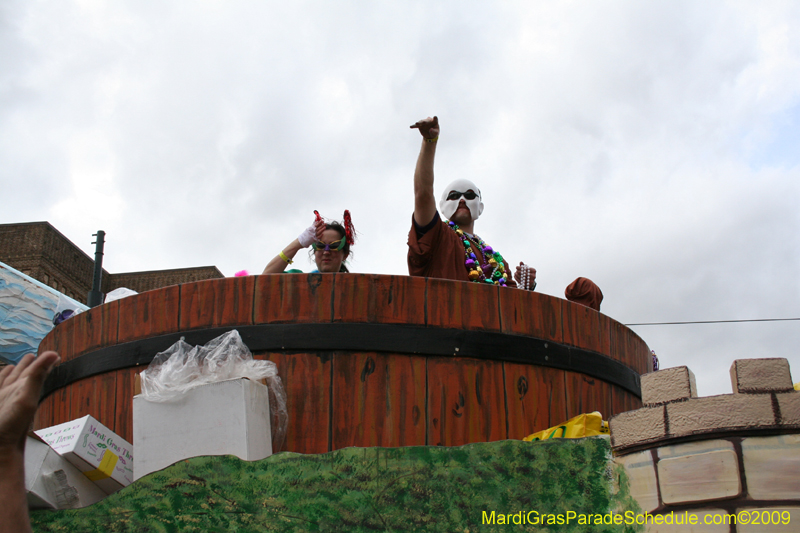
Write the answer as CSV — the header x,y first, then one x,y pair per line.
x,y
183,367
118,294
583,425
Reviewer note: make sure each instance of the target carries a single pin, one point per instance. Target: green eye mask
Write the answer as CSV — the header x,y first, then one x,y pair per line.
x,y
332,247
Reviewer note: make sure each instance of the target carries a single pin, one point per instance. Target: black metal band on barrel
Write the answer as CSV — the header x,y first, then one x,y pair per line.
x,y
392,338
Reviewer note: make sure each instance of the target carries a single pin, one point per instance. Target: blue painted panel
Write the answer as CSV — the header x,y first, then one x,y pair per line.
x,y
27,308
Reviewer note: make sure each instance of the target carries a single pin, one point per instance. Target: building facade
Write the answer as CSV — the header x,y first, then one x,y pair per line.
x,y
45,254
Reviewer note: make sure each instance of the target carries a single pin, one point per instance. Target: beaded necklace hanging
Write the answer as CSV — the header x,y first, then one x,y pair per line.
x,y
524,277
493,271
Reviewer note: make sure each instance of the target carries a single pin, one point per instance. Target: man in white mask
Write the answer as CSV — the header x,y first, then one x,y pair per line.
x,y
449,248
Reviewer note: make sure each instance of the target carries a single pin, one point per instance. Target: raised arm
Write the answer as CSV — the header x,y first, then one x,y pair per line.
x,y
424,201
20,387
279,263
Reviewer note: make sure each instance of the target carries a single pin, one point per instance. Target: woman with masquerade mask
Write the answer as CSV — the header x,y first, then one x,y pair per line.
x,y
330,244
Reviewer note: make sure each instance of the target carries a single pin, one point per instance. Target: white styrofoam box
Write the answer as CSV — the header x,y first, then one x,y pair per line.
x,y
225,418
53,482
102,455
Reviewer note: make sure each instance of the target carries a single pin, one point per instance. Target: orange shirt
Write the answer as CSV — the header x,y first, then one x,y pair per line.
x,y
439,253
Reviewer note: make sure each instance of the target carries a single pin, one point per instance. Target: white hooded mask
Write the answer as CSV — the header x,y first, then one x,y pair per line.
x,y
448,207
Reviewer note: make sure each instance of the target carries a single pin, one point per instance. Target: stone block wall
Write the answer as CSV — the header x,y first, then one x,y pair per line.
x,y
732,459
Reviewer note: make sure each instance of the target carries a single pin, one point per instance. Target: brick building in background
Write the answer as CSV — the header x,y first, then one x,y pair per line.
x,y
43,253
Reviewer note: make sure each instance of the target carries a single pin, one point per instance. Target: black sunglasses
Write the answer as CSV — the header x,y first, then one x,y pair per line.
x,y
455,195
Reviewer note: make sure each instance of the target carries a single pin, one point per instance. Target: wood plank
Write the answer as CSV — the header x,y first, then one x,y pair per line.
x,y
581,326
149,314
625,400
110,324
48,344
619,403
353,298
624,343
619,349
463,305
466,401
586,394
61,406
606,324
123,419
217,302
639,354
44,414
536,398
379,299
106,408
306,378
399,300
643,359
62,339
531,313
95,328
378,399
296,298
87,327
82,398
605,400
95,396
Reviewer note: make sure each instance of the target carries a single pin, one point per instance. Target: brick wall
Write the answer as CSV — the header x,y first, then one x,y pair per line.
x,y
155,279
42,252
721,458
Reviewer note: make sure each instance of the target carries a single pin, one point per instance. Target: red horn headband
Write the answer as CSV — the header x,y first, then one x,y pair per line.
x,y
349,230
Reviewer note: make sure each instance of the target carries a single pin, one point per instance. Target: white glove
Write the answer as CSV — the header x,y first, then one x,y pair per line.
x,y
308,236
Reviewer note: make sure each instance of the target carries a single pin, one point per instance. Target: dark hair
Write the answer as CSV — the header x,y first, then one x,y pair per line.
x,y
338,228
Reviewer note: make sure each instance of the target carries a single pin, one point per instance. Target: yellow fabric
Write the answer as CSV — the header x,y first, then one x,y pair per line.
x,y
797,386
105,469
584,425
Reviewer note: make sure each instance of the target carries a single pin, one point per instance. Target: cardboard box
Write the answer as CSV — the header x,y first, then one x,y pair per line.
x,y
226,418
53,482
102,455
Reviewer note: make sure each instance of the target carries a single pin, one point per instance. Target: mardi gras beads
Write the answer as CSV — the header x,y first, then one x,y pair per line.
x,y
524,277
492,271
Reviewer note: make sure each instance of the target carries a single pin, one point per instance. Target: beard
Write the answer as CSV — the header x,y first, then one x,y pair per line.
x,y
461,217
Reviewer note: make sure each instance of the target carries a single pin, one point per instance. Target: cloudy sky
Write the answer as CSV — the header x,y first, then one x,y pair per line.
x,y
650,146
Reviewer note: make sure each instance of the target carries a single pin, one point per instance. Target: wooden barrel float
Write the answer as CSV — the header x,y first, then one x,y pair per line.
x,y
366,360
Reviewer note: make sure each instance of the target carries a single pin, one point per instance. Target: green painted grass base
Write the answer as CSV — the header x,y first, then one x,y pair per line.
x,y
423,488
